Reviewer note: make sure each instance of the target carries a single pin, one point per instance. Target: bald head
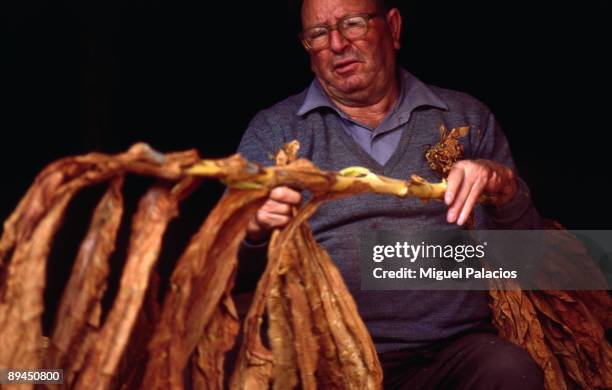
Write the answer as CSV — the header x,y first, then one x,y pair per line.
x,y
379,5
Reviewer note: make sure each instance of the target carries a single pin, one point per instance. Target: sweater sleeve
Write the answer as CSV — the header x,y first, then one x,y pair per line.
x,y
490,143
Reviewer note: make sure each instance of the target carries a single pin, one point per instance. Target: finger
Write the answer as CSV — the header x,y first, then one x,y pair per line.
x,y
286,195
455,177
459,200
271,221
274,207
471,200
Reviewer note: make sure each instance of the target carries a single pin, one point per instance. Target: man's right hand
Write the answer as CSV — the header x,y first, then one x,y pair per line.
x,y
275,213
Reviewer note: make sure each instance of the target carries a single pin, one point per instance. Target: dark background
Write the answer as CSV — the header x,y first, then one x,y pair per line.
x,y
78,76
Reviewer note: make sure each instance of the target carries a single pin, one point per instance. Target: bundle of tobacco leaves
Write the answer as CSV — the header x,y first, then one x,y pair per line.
x,y
316,337
564,331
140,344
24,248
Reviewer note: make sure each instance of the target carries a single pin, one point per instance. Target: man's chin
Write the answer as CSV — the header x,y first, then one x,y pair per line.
x,y
351,84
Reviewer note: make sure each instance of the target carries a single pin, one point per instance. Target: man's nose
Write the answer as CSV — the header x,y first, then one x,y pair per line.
x,y
337,42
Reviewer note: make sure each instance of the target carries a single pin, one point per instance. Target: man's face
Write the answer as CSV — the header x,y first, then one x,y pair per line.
x,y
353,72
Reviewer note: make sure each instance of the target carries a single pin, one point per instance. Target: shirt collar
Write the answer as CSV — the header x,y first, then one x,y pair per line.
x,y
413,93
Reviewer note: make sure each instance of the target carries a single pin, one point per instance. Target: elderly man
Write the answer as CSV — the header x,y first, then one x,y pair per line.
x,y
363,110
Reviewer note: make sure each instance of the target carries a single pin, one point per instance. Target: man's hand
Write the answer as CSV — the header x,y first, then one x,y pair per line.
x,y
275,213
468,179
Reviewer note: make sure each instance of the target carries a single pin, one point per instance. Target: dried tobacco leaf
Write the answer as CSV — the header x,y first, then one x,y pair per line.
x,y
574,321
156,209
560,329
449,150
207,364
131,369
575,338
351,360
21,304
78,315
198,310
517,321
319,339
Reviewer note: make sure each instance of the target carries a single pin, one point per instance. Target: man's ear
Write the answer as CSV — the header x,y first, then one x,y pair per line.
x,y
394,21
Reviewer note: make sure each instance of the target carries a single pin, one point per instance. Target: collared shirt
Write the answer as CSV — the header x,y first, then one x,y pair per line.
x,y
381,142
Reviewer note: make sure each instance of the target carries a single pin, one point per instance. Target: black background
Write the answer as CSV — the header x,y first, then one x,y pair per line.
x,y
79,76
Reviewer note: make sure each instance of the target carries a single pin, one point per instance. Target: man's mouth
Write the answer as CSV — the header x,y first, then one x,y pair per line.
x,y
345,67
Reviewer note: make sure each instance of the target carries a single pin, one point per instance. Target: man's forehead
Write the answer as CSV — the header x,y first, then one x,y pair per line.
x,y
322,11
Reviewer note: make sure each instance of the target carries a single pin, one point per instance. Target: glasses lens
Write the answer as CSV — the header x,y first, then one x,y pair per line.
x,y
316,37
354,27
351,27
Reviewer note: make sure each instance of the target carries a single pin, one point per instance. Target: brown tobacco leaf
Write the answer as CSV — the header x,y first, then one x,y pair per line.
x,y
130,371
255,364
24,249
311,305
207,363
21,304
576,338
155,210
574,321
198,313
562,330
599,304
560,334
78,315
517,321
449,150
318,339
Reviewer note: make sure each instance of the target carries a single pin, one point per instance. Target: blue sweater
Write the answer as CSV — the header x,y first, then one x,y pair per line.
x,y
395,319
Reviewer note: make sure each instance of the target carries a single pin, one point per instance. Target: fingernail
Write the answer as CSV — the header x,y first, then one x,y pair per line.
x,y
461,219
450,218
447,198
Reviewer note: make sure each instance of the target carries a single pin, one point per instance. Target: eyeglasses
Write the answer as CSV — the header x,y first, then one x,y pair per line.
x,y
350,27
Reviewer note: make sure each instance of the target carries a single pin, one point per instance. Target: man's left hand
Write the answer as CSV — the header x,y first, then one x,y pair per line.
x,y
468,179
